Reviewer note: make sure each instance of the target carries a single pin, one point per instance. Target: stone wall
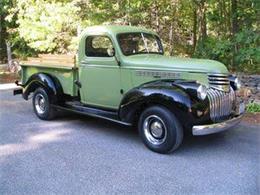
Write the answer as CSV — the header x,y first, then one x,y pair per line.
x,y
250,88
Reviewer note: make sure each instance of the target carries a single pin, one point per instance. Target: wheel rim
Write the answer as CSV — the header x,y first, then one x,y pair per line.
x,y
154,129
40,103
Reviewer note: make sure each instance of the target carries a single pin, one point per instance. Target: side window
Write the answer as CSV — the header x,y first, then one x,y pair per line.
x,y
98,46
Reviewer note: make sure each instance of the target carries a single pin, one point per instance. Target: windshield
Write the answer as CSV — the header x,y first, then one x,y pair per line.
x,y
139,43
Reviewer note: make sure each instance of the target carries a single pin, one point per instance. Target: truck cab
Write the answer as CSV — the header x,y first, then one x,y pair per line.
x,y
105,70
121,74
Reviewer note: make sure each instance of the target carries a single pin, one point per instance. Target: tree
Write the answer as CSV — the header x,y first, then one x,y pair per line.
x,y
224,30
5,5
46,27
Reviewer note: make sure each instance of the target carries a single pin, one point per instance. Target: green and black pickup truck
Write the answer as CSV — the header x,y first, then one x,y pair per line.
x,y
121,74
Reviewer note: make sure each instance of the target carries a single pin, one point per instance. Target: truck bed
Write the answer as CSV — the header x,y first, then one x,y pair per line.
x,y
62,67
51,61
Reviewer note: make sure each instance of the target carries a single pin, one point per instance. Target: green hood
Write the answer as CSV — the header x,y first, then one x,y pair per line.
x,y
160,62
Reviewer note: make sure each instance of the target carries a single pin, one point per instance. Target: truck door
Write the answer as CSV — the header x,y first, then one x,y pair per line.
x,y
99,73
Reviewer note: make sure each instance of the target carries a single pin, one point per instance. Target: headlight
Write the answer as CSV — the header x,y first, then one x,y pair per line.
x,y
237,83
202,92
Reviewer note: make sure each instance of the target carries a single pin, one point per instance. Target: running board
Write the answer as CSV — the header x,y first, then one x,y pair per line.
x,y
89,111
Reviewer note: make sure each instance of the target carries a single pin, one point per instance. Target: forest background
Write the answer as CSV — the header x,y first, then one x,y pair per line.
x,y
223,30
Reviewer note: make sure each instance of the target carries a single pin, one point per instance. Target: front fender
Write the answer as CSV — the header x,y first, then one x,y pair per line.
x,y
50,83
174,95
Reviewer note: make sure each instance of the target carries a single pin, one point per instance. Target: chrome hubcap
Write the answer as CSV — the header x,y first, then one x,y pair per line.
x,y
40,103
154,129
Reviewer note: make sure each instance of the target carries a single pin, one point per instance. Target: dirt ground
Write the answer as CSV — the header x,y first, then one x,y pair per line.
x,y
8,77
252,118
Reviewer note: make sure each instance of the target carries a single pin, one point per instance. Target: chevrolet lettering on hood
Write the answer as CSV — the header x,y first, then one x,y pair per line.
x,y
158,74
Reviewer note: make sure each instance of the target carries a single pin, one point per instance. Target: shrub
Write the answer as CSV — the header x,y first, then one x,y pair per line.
x,y
253,107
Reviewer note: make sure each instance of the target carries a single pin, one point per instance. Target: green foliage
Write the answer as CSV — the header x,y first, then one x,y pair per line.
x,y
253,107
20,47
248,55
243,51
5,5
46,26
204,29
215,49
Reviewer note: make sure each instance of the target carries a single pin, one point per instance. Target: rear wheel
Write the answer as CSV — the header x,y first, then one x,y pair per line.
x,y
41,105
160,130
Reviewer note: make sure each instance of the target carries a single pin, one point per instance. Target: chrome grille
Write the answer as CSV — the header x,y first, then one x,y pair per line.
x,y
219,81
221,103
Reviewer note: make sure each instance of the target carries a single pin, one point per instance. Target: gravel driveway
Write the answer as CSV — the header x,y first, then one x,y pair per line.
x,y
75,155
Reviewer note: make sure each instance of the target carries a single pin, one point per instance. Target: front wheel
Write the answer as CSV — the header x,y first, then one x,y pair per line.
x,y
41,105
160,130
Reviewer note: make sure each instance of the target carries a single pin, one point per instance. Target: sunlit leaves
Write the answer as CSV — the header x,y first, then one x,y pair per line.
x,y
43,25
36,26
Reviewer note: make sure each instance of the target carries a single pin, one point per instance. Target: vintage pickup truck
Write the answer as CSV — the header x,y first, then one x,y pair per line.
x,y
121,74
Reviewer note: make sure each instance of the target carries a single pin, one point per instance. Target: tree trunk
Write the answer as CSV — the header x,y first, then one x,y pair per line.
x,y
203,21
234,22
157,18
201,5
9,53
128,14
171,38
3,36
235,28
194,36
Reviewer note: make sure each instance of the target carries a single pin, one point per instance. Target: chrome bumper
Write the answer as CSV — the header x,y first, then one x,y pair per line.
x,y
217,127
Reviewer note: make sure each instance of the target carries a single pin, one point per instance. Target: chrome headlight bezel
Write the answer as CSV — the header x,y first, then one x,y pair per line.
x,y
237,83
202,92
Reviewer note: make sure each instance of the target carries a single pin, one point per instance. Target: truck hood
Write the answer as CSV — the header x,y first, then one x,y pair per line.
x,y
161,62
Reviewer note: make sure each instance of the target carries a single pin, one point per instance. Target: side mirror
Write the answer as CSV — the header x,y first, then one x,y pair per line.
x,y
111,52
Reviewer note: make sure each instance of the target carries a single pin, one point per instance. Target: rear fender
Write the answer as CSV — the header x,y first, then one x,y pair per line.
x,y
50,83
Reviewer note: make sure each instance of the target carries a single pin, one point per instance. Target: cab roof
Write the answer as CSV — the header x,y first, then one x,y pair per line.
x,y
115,29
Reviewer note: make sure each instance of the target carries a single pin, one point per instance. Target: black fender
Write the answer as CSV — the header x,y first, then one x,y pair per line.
x,y
50,83
178,96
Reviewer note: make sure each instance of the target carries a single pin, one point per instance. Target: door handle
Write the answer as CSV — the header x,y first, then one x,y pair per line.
x,y
156,76
84,62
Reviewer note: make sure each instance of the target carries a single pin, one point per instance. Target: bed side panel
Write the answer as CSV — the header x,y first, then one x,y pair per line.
x,y
65,76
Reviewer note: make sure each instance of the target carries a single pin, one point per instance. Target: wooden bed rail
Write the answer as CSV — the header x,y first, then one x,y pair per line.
x,y
51,59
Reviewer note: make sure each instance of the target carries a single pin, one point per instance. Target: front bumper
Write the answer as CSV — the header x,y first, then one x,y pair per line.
x,y
217,127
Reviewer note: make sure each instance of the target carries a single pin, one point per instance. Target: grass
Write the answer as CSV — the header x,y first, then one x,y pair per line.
x,y
253,108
